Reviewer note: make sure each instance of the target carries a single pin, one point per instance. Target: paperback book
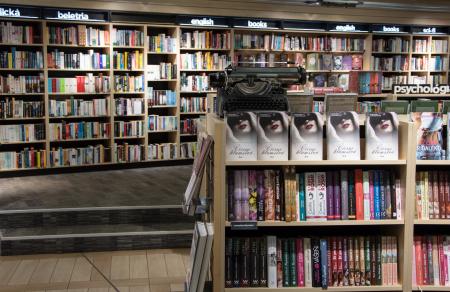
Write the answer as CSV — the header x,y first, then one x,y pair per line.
x,y
429,135
382,136
343,136
241,143
273,136
306,136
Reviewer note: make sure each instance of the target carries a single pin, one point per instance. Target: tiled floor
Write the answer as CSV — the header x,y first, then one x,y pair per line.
x,y
124,271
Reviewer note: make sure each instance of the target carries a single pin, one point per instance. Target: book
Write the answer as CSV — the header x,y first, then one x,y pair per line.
x,y
198,249
323,263
241,137
308,261
316,268
271,261
306,136
312,62
343,136
337,62
327,62
206,257
357,62
347,62
382,136
320,198
273,132
429,135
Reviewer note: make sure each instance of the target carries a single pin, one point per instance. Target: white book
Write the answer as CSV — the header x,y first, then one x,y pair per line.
x,y
307,261
320,199
306,136
241,136
272,261
382,136
297,196
435,261
343,141
273,136
199,239
206,257
310,194
366,192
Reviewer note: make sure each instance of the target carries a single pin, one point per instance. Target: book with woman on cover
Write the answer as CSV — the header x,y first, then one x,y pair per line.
x,y
429,135
273,136
306,136
343,136
382,136
241,136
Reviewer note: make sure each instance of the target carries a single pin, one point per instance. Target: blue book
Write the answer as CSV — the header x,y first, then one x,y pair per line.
x,y
382,196
324,263
301,196
376,195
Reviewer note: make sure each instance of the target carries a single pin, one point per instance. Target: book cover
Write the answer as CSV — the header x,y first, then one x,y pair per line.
x,y
310,192
253,195
359,194
442,214
340,263
366,194
344,82
357,62
286,278
229,262
320,200
330,196
230,196
362,259
237,195
320,80
436,194
429,135
292,263
269,195
241,136
273,132
278,194
260,195
271,262
345,262
312,62
300,262
388,195
306,136
316,268
337,62
382,195
327,62
245,262
245,196
263,256
344,195
351,262
323,264
343,136
382,136
347,62
357,262
308,261
302,197
333,80
376,195
394,191
371,194
206,257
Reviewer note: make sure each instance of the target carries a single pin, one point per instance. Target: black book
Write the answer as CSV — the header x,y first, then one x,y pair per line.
x,y
315,257
229,263
373,261
379,274
393,196
236,262
262,262
231,196
293,262
245,262
285,263
254,262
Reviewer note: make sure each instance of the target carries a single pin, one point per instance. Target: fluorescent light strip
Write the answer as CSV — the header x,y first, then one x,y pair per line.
x,y
242,26
305,29
335,30
81,20
215,25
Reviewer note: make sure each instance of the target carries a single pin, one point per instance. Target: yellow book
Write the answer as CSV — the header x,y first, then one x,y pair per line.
x,y
38,159
10,62
125,61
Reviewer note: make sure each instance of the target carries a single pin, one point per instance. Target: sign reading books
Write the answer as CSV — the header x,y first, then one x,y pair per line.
x,y
390,28
429,29
19,12
382,136
429,135
256,23
306,136
75,15
343,136
241,136
202,21
348,27
304,25
273,136
421,89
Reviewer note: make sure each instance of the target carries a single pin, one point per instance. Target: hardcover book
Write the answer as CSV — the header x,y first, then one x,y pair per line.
x,y
343,136
241,136
382,136
312,62
429,135
327,62
347,62
273,132
319,80
357,62
337,63
306,136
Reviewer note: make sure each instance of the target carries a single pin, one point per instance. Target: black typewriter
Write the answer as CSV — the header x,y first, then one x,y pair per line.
x,y
254,89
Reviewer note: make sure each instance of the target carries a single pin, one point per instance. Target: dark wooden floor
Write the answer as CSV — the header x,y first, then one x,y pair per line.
x,y
114,188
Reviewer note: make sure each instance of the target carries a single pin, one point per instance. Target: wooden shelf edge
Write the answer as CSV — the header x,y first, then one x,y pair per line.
x,y
433,162
432,222
431,288
326,223
316,162
308,289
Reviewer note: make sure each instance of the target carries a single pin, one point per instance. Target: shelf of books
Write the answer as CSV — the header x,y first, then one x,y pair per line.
x,y
282,216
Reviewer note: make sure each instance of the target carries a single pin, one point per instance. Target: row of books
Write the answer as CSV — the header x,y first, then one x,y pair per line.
x,y
129,129
162,43
127,37
18,34
420,46
79,156
338,261
394,63
419,63
331,80
17,108
194,82
22,84
193,104
162,123
161,97
438,63
263,59
78,107
128,153
22,133
129,83
188,150
390,45
21,59
367,82
163,151
27,158
439,46
418,79
204,61
317,61
80,84
128,60
129,106
188,126
205,40
80,35
91,60
432,195
273,195
78,131
431,260
162,71
437,79
363,107
388,81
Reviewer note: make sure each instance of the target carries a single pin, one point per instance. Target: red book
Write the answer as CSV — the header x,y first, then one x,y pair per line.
x,y
329,259
447,195
419,260
334,261
442,261
371,195
426,281
340,262
79,84
300,263
436,194
442,214
359,194
54,88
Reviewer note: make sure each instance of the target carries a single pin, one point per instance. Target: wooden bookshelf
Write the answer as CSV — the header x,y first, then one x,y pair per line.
x,y
337,289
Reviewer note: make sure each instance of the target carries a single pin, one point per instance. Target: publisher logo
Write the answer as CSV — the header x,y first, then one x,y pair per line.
x,y
257,24
9,12
202,22
421,89
73,15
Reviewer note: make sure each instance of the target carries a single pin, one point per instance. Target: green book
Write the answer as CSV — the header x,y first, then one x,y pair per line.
x,y
445,106
425,106
285,259
301,195
400,106
292,263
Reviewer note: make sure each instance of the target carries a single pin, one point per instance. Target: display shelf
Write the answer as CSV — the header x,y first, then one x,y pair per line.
x,y
187,135
20,169
204,49
316,163
78,117
129,116
431,288
163,80
82,166
304,289
201,70
21,94
432,222
209,91
77,46
433,162
162,131
21,69
162,53
390,53
78,70
23,45
22,142
129,70
128,47
324,223
134,92
162,106
193,113
129,138
78,140
77,93
23,119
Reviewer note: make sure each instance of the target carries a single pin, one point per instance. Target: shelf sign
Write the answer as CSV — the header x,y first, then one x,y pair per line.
x,y
389,28
304,25
421,89
244,225
201,21
348,27
255,23
429,29
75,15
19,12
